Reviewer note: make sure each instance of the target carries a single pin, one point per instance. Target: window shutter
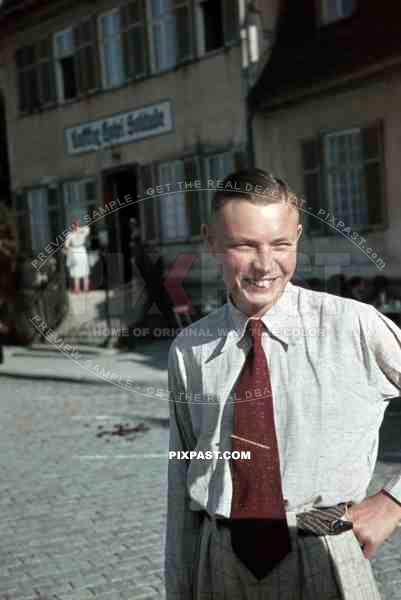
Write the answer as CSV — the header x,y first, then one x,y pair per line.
x,y
134,39
193,199
312,175
23,223
55,215
21,80
28,87
80,66
183,23
149,208
23,92
231,21
45,72
373,170
86,56
129,62
92,56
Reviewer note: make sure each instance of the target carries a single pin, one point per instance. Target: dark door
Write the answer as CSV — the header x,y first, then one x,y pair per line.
x,y
117,185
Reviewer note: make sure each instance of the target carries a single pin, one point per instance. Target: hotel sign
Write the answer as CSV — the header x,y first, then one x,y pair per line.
x,y
122,128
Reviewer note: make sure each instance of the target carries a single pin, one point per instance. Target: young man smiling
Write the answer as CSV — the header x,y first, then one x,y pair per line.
x,y
294,521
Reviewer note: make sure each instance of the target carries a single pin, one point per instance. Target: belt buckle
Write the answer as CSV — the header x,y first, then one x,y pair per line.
x,y
317,521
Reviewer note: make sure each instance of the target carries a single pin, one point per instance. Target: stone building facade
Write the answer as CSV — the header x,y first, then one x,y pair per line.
x,y
327,118
106,100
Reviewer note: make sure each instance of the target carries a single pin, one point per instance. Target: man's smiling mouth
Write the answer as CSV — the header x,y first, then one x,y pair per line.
x,y
264,283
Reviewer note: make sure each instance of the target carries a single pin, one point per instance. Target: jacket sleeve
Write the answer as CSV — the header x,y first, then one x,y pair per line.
x,y
183,524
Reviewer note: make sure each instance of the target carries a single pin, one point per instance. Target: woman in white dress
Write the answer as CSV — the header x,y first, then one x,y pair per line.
x,y
77,257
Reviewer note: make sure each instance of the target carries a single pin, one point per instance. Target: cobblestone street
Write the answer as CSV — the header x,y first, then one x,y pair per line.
x,y
81,516
83,511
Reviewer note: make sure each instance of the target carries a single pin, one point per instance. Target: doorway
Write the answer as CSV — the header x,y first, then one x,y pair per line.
x,y
116,185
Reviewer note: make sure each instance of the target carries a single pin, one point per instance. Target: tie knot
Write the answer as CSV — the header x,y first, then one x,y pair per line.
x,y
256,329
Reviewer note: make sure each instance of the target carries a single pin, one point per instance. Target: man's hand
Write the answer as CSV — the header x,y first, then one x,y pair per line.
x,y
374,520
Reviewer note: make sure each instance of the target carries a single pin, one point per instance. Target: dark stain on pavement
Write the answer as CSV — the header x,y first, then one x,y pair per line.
x,y
123,430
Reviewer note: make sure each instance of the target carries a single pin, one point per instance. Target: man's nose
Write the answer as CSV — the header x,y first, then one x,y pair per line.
x,y
263,261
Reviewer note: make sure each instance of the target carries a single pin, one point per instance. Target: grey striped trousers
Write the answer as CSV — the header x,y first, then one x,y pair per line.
x,y
318,568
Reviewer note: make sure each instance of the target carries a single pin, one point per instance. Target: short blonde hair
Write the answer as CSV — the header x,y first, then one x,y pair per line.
x,y
255,186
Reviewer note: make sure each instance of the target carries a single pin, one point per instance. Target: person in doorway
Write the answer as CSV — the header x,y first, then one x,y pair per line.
x,y
276,401
136,248
77,257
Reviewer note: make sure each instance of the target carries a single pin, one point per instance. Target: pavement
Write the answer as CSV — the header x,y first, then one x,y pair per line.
x,y
90,365
83,463
82,509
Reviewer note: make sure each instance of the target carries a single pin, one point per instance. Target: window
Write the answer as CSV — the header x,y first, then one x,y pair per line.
x,y
111,49
133,17
344,176
180,211
194,199
178,215
171,33
86,57
174,218
123,44
23,223
39,218
79,198
67,84
334,10
217,24
149,208
76,60
55,212
35,73
217,166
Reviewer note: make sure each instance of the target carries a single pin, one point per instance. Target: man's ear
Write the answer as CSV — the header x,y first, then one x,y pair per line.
x,y
300,230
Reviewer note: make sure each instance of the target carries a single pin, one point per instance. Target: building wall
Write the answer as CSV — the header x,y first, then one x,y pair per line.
x,y
278,135
206,98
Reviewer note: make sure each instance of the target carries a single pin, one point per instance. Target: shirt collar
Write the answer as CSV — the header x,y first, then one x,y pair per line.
x,y
280,320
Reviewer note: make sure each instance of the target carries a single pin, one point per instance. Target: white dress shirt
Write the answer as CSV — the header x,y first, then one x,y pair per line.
x,y
333,362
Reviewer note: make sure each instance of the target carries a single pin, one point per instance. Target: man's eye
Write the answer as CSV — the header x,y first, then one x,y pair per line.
x,y
282,245
239,246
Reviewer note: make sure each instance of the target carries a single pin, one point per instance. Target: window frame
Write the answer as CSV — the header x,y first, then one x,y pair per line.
x,y
229,39
58,69
90,42
100,41
169,14
38,234
126,31
221,156
336,169
374,203
39,60
185,235
78,185
200,165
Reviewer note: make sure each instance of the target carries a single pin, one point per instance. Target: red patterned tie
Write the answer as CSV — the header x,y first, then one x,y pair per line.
x,y
259,531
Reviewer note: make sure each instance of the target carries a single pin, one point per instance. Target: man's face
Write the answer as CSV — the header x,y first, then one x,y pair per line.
x,y
256,246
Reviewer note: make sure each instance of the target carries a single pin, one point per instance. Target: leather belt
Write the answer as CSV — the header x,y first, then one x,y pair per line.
x,y
330,520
